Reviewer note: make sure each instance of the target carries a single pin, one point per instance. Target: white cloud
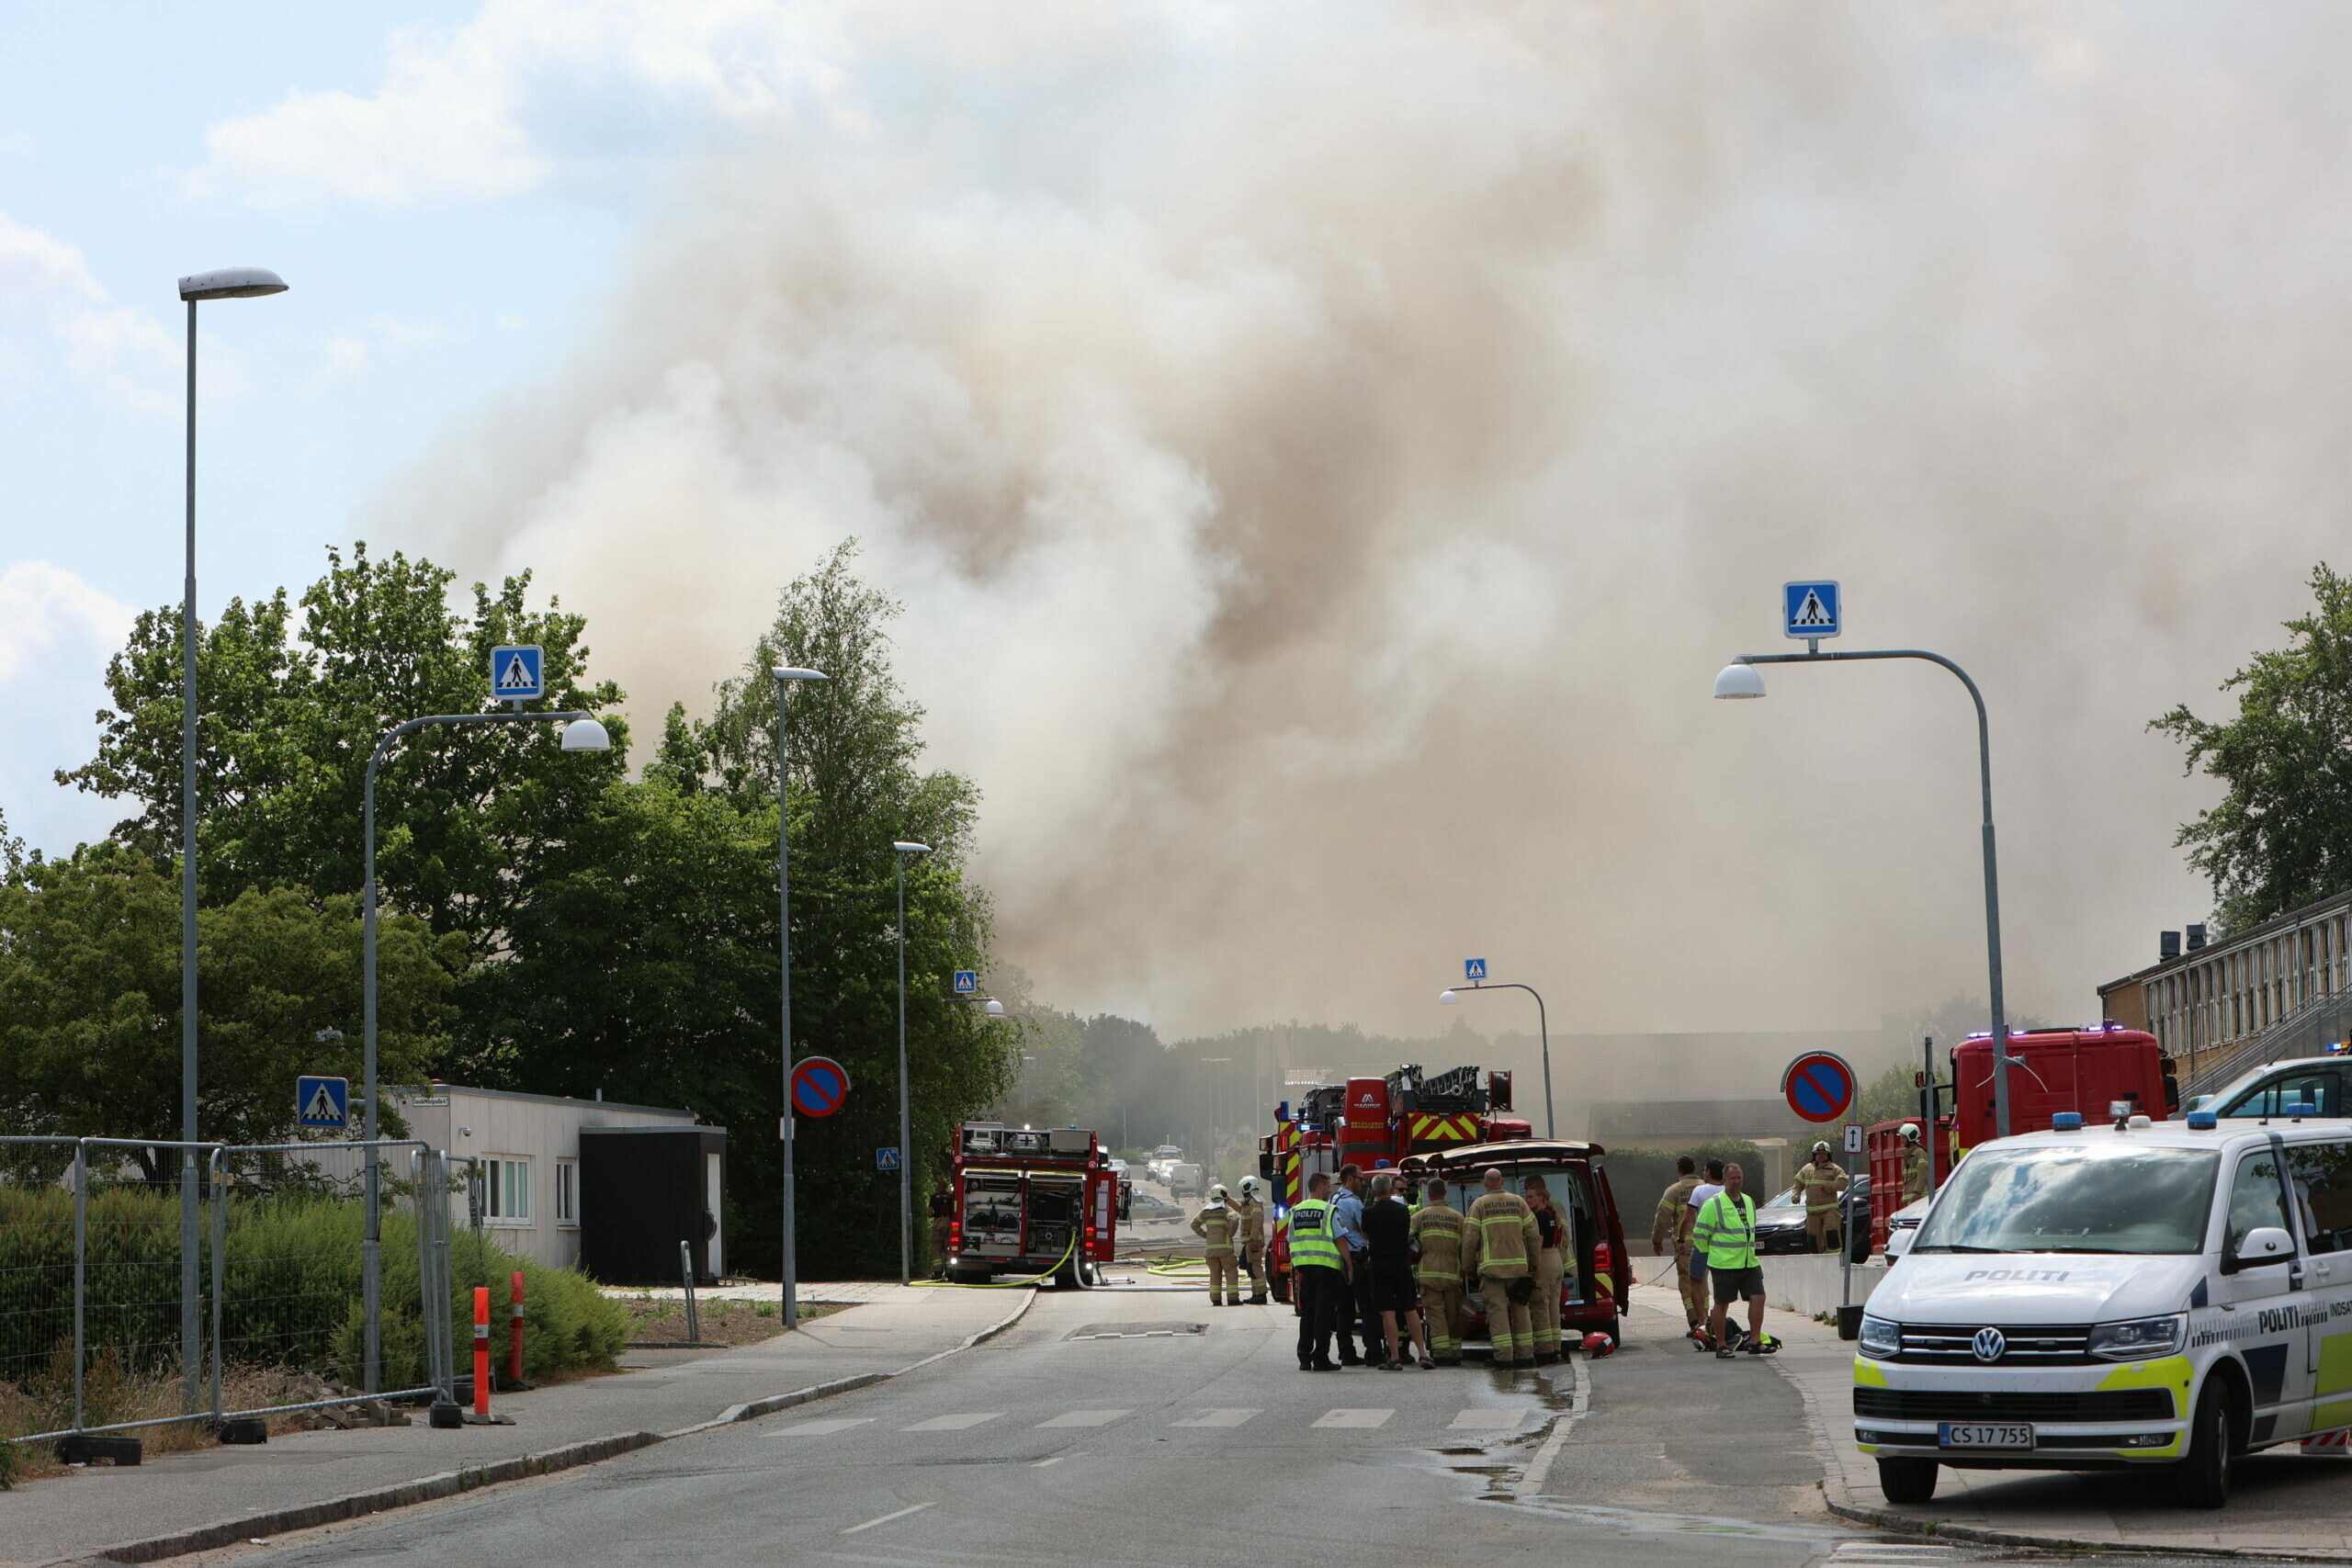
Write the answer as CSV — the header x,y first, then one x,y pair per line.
x,y
48,296
489,109
347,356
50,618
18,142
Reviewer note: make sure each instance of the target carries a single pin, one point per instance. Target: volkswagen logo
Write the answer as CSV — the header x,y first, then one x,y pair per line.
x,y
1989,1344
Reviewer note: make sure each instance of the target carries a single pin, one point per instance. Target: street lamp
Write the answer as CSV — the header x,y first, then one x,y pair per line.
x,y
581,733
902,849
787,676
1542,1028
1740,679
230,283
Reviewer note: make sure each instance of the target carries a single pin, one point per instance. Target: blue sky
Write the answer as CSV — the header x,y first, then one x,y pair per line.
x,y
407,303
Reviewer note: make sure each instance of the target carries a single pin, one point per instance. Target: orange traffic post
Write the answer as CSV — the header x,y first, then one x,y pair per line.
x,y
481,1350
515,1348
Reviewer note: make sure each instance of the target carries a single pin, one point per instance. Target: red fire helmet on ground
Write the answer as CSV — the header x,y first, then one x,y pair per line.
x,y
1599,1344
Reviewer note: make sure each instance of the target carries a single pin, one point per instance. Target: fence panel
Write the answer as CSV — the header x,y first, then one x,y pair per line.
x,y
37,1259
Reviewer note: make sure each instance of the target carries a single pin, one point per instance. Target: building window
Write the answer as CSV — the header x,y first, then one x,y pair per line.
x,y
567,1192
506,1190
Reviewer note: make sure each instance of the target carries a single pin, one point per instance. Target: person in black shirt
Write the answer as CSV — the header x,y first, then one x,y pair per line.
x,y
1388,1233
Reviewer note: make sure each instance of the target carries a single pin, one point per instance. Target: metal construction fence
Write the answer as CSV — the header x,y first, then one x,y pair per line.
x,y
296,1269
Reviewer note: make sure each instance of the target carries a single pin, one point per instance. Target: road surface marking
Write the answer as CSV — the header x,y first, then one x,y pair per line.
x,y
819,1428
1217,1418
1579,1401
886,1519
953,1423
1044,1462
1086,1418
1359,1419
1487,1420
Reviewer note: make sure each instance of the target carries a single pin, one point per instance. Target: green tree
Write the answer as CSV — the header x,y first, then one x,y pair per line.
x,y
89,1000
288,725
2281,836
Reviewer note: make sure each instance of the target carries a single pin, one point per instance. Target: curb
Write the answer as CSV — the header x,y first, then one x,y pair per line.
x,y
524,1467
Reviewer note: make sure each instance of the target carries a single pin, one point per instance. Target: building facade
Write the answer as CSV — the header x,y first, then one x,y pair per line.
x,y
2219,1005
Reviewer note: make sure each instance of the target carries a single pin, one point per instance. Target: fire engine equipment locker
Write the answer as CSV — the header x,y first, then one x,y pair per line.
x,y
642,1191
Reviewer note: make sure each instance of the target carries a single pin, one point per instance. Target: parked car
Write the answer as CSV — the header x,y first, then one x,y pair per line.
x,y
1779,1225
1185,1179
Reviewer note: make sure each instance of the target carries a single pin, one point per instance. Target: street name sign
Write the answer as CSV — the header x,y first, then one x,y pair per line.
x,y
323,1103
517,673
1818,1086
819,1084
1811,610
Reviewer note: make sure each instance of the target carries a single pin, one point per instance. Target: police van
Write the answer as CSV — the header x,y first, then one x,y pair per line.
x,y
2171,1293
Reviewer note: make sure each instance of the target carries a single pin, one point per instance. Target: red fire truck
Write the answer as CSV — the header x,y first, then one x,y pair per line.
x,y
1031,1201
2089,1071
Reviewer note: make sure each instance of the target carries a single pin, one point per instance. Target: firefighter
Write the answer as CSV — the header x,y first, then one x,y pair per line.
x,y
1666,1235
1821,1184
1217,1226
1501,1256
1551,1253
943,1211
1437,1241
1915,1165
1252,1214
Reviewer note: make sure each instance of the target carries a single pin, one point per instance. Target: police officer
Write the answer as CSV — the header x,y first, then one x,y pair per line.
x,y
1251,1211
942,1211
1915,1165
1500,1256
1218,1225
1666,1234
1318,1273
1437,1243
1821,1185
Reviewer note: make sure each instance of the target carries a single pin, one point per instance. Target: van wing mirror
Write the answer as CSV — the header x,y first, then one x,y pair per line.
x,y
2263,1245
1899,1242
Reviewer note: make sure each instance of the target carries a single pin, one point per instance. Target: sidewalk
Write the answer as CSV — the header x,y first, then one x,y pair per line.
x,y
2285,1504
179,1503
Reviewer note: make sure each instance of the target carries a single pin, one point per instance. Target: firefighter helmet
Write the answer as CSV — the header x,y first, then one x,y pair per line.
x,y
1821,1149
1218,1192
1599,1344
1911,1131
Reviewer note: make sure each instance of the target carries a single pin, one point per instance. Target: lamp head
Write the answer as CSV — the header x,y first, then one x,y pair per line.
x,y
586,735
995,1009
793,672
1741,680
905,848
231,283
1447,999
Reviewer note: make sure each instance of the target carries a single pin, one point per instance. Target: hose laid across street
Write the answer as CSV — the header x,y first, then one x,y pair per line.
x,y
1051,1270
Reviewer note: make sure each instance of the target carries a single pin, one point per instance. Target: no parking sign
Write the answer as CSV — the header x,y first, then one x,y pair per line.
x,y
1818,1086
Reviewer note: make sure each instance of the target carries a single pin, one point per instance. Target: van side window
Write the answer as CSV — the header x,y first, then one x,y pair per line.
x,y
2254,1197
2324,1186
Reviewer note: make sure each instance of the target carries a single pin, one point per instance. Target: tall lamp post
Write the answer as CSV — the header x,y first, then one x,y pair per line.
x,y
229,283
1543,1029
786,677
902,849
581,733
1740,679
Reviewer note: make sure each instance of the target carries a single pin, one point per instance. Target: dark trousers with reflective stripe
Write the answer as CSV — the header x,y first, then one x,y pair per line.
x,y
1322,1295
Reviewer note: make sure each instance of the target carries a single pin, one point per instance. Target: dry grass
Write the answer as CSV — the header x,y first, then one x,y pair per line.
x,y
655,1321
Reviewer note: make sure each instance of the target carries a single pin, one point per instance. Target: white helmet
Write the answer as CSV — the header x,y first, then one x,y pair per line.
x,y
1249,1187
1218,1190
1911,1131
1821,1149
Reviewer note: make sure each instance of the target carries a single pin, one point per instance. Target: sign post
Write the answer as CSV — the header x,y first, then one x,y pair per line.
x,y
818,1086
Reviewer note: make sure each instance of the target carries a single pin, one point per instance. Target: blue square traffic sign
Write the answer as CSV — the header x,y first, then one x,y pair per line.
x,y
886,1159
968,982
1810,610
515,674
323,1103
1474,968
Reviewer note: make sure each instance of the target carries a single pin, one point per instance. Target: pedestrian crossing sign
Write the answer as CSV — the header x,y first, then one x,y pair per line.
x,y
886,1159
968,982
323,1103
1811,610
515,674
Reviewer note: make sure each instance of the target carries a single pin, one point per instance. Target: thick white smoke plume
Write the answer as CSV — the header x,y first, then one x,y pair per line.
x,y
1327,451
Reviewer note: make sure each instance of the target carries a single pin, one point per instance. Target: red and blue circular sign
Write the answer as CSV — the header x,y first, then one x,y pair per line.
x,y
1818,1086
819,1084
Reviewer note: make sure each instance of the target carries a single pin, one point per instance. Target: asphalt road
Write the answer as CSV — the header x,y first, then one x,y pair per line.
x,y
1146,1430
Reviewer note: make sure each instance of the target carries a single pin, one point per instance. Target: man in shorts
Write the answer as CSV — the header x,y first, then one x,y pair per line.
x,y
1726,1232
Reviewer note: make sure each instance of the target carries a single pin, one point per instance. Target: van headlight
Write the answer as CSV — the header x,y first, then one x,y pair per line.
x,y
1880,1339
2138,1338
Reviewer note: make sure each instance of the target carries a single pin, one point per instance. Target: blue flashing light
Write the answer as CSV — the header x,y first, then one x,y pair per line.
x,y
2202,1121
2302,1108
2066,1122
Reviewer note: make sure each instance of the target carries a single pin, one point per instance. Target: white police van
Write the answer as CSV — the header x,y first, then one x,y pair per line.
x,y
2172,1293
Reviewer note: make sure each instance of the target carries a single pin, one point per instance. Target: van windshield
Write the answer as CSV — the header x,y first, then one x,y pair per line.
x,y
2100,1197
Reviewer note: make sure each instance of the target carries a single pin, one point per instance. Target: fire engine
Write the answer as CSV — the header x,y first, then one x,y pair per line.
x,y
1031,1201
2089,1071
1447,1125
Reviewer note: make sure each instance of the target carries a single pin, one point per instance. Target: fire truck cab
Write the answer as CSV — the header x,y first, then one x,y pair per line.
x,y
1036,1201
